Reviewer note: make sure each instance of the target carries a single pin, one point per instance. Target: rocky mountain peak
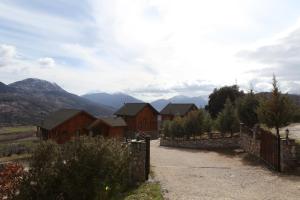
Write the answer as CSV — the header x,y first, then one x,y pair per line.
x,y
34,84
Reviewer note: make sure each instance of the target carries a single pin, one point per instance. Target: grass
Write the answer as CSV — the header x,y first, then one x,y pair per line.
x,y
16,129
15,157
146,191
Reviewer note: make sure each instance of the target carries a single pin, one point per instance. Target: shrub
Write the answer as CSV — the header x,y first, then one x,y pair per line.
x,y
197,122
87,168
177,127
167,128
10,177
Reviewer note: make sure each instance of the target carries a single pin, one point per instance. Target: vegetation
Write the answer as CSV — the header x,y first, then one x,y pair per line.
x,y
277,110
146,191
194,124
227,120
16,129
82,169
246,109
11,176
218,98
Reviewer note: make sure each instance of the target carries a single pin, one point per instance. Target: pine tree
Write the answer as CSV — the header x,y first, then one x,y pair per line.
x,y
277,110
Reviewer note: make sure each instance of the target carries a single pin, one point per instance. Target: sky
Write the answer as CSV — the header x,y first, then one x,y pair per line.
x,y
151,48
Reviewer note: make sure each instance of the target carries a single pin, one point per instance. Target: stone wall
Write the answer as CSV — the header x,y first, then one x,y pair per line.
x,y
213,143
138,160
288,156
250,144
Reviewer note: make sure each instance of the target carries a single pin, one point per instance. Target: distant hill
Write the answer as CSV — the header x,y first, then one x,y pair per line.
x,y
161,103
30,100
115,100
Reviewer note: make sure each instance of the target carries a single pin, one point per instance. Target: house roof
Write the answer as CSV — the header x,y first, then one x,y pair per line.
x,y
58,117
177,109
132,109
110,121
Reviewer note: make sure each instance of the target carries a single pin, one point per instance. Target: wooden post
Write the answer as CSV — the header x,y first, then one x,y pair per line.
x,y
147,161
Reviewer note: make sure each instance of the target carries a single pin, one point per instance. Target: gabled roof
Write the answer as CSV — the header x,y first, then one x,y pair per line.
x,y
177,109
58,117
132,109
110,121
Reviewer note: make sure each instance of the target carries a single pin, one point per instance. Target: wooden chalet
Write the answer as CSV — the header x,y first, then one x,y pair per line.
x,y
139,117
64,124
176,109
108,127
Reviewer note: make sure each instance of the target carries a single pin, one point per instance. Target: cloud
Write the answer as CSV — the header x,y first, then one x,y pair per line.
x,y
147,47
198,88
7,54
279,57
46,62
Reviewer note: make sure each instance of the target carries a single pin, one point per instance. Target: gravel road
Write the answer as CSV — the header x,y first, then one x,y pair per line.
x,y
198,174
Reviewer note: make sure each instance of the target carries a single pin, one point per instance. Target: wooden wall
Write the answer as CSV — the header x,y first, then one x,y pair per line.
x,y
71,127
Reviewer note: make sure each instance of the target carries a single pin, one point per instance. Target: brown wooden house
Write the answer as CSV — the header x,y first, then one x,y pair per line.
x,y
108,127
64,124
176,109
139,117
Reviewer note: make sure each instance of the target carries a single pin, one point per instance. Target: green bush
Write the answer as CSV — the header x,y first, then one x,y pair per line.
x,y
177,127
89,168
195,123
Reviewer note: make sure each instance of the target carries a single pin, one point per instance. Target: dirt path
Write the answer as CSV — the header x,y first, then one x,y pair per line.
x,y
197,174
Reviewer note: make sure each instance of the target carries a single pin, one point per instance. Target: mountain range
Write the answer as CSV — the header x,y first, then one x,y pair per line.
x,y
115,100
30,100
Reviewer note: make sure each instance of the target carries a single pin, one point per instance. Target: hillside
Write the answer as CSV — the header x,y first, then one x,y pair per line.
x,y
161,103
115,100
27,101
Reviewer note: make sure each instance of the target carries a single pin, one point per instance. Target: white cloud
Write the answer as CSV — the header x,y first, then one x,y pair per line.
x,y
7,54
46,62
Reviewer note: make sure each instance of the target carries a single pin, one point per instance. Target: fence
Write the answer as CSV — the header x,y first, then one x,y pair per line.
x,y
278,153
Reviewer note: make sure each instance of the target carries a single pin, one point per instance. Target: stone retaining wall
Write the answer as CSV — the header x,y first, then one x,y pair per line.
x,y
214,143
250,144
138,161
288,156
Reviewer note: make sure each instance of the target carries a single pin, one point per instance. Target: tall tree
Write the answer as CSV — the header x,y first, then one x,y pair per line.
x,y
277,110
227,120
246,109
218,98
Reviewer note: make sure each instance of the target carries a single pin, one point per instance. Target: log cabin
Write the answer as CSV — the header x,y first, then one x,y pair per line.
x,y
176,109
64,124
139,117
108,127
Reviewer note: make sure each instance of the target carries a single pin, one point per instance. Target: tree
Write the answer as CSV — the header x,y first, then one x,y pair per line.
x,y
227,120
218,98
277,110
246,109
